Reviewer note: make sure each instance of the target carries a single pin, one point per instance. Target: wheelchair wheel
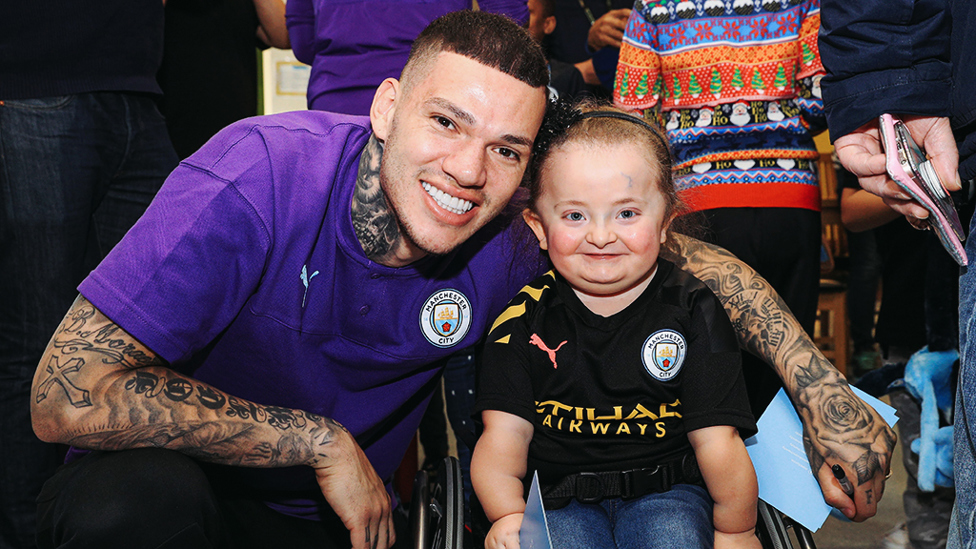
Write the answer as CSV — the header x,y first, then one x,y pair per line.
x,y
449,492
773,529
437,511
420,511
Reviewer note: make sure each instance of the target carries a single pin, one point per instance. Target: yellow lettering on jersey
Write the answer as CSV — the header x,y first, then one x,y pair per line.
x,y
602,427
560,424
660,429
556,406
623,429
547,421
643,427
641,411
618,414
668,413
575,426
588,411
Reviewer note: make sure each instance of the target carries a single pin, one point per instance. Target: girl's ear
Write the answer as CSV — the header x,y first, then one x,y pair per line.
x,y
664,228
535,223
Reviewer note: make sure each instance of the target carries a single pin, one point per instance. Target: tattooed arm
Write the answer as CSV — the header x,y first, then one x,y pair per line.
x,y
838,428
99,388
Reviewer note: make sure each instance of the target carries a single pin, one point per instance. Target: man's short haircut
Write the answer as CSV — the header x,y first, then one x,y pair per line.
x,y
548,7
492,40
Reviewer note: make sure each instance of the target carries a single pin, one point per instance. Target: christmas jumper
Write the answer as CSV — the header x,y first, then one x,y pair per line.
x,y
619,392
736,85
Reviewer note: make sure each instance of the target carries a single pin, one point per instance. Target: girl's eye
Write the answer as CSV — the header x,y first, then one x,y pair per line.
x,y
574,216
628,214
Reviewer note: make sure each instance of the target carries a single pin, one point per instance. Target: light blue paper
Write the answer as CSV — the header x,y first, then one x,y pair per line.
x,y
782,467
534,532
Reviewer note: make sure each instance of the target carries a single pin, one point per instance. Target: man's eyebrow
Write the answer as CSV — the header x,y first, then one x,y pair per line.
x,y
458,112
469,119
517,140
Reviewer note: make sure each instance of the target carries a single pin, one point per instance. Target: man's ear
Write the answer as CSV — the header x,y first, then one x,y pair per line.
x,y
549,25
383,107
534,223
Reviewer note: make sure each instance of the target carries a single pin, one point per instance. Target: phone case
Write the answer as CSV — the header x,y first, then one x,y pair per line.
x,y
912,171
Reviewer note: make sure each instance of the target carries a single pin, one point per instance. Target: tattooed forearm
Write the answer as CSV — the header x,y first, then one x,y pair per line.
x,y
758,314
376,225
98,387
838,426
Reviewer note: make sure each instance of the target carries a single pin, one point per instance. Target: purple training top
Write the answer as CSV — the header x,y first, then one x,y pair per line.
x,y
249,249
353,45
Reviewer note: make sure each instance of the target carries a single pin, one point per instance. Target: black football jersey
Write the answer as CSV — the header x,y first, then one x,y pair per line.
x,y
619,392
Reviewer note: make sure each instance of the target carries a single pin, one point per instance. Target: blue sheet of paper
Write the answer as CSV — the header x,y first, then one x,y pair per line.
x,y
534,532
782,467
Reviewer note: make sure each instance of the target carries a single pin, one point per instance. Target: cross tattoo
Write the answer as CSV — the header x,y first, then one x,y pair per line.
x,y
79,398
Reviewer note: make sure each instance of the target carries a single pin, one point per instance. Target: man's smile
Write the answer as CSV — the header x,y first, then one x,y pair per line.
x,y
450,203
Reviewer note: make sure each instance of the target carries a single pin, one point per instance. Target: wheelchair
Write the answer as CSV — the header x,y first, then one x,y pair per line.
x,y
437,516
437,508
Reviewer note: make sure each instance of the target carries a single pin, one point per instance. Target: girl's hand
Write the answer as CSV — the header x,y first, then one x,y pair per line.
x,y
504,534
742,540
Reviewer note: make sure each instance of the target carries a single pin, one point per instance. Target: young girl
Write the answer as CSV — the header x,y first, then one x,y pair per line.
x,y
617,377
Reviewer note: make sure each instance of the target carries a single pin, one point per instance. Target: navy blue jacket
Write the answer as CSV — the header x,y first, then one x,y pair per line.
x,y
903,57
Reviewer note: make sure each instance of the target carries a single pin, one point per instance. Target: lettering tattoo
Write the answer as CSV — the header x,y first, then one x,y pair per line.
x,y
108,341
837,425
376,225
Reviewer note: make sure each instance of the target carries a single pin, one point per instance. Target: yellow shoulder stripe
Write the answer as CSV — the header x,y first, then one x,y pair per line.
x,y
509,313
515,311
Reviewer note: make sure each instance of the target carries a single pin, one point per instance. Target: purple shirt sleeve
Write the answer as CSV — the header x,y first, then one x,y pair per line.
x,y
300,18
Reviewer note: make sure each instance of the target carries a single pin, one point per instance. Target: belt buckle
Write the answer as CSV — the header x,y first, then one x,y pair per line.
x,y
640,482
588,488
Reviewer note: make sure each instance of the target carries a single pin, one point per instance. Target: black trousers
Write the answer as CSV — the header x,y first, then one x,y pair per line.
x,y
782,245
153,498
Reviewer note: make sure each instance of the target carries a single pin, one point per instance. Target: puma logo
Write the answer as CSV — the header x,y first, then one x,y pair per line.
x,y
537,341
305,280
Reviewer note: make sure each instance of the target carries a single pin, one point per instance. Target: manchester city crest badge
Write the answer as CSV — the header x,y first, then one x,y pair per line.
x,y
663,353
445,318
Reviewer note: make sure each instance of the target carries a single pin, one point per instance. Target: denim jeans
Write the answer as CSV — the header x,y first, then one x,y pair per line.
x,y
680,518
75,173
964,454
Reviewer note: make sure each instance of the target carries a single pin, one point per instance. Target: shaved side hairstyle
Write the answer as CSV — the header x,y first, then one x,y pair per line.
x,y
492,40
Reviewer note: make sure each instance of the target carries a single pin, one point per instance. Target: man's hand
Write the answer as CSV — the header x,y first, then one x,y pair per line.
x,y
839,428
352,488
861,154
504,534
608,30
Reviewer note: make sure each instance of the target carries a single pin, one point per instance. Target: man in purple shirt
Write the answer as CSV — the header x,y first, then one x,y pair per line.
x,y
250,363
